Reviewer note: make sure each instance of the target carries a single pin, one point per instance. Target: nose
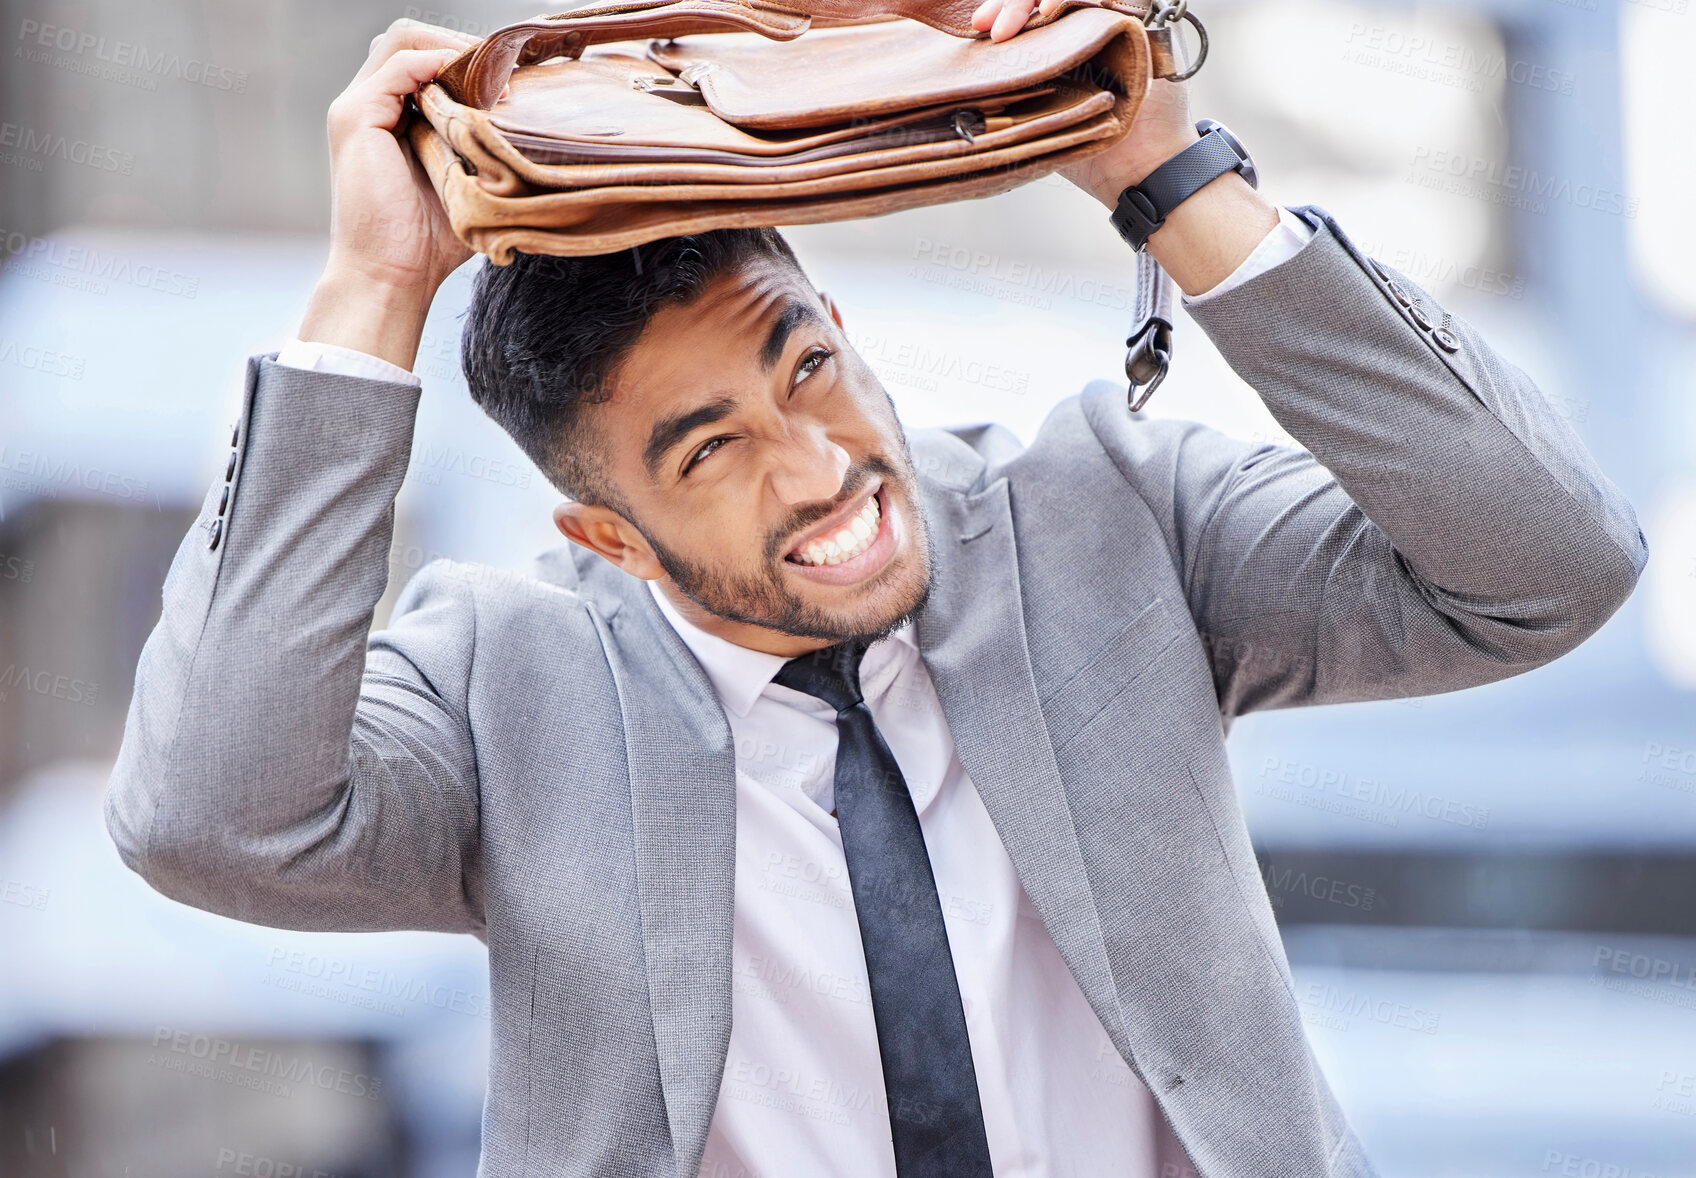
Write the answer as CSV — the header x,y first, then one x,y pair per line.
x,y
809,470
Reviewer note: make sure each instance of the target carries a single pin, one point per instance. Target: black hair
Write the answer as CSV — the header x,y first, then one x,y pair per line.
x,y
545,335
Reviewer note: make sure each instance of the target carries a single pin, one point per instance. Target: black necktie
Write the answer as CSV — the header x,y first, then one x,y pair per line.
x,y
934,1114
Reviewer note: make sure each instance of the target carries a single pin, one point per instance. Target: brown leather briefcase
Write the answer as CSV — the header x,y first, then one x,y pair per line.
x,y
629,122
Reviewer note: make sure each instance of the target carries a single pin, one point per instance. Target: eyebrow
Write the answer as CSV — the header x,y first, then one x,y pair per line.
x,y
669,431
794,313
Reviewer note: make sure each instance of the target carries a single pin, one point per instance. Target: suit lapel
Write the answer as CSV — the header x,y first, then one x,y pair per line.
x,y
972,635
683,800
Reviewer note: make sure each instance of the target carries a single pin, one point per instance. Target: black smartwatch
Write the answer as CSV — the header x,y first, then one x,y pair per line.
x,y
1144,207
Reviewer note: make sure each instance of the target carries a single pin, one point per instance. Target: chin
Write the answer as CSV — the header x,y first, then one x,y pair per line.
x,y
876,608
863,598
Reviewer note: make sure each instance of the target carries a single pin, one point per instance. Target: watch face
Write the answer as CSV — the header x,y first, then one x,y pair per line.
x,y
1247,171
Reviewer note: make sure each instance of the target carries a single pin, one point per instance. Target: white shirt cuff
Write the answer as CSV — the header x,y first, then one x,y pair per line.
x,y
1280,245
333,358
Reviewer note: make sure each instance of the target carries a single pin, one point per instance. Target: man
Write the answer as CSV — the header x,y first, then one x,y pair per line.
x,y
841,800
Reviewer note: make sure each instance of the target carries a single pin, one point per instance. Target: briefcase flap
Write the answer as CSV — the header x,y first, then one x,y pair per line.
x,y
614,107
839,74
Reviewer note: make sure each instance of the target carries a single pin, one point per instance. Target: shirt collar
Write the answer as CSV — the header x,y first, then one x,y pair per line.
x,y
738,673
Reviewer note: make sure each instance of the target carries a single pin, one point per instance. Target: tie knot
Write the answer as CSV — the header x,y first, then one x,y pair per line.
x,y
831,674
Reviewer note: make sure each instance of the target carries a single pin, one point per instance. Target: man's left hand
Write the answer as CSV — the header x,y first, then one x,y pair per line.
x,y
1205,238
1162,127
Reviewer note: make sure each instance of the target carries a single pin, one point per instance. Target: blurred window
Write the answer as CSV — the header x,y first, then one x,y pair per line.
x,y
1657,47
1392,115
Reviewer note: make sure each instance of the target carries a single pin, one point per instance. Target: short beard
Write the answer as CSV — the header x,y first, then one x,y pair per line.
x,y
766,601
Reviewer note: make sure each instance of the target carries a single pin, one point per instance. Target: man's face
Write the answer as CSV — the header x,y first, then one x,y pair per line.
x,y
762,467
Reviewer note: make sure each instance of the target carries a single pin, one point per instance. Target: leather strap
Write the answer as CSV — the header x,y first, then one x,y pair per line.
x,y
477,76
951,16
1148,348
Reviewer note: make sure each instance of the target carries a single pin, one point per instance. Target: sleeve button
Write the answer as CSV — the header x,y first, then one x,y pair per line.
x,y
1446,339
217,531
230,466
235,433
1399,293
1420,316
224,499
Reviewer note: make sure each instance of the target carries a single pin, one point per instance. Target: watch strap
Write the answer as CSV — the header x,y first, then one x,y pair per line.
x,y
1143,208
1188,172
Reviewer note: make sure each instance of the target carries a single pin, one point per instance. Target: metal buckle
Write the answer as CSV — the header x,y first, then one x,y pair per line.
x,y
1148,357
968,123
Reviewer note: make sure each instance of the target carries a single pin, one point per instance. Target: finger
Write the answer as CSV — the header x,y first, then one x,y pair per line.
x,y
1014,13
407,70
406,34
380,98
985,15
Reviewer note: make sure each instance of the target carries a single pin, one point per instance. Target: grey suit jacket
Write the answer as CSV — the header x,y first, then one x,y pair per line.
x,y
538,760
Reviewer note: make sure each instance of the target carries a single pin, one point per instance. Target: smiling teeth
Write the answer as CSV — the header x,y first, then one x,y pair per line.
x,y
846,542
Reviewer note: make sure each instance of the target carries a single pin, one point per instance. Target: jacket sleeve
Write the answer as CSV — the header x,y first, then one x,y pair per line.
x,y
1443,527
280,763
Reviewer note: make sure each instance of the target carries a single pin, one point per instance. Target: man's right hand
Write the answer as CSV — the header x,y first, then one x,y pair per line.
x,y
391,246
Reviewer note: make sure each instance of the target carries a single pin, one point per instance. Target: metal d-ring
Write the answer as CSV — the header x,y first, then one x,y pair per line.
x,y
1168,14
1148,358
1201,50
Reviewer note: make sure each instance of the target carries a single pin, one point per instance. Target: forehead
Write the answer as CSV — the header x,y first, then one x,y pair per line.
x,y
702,348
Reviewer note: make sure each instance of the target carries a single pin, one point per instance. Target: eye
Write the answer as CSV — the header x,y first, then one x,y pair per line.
x,y
706,448
811,363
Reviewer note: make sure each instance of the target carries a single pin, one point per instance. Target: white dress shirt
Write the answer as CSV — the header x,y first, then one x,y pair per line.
x,y
803,1091
803,1083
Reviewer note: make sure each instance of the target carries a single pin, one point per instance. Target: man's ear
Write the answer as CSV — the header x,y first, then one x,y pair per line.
x,y
830,305
602,530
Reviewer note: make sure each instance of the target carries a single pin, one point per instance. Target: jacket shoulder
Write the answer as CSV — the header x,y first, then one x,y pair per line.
x,y
969,457
1093,432
456,592
1087,429
960,457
